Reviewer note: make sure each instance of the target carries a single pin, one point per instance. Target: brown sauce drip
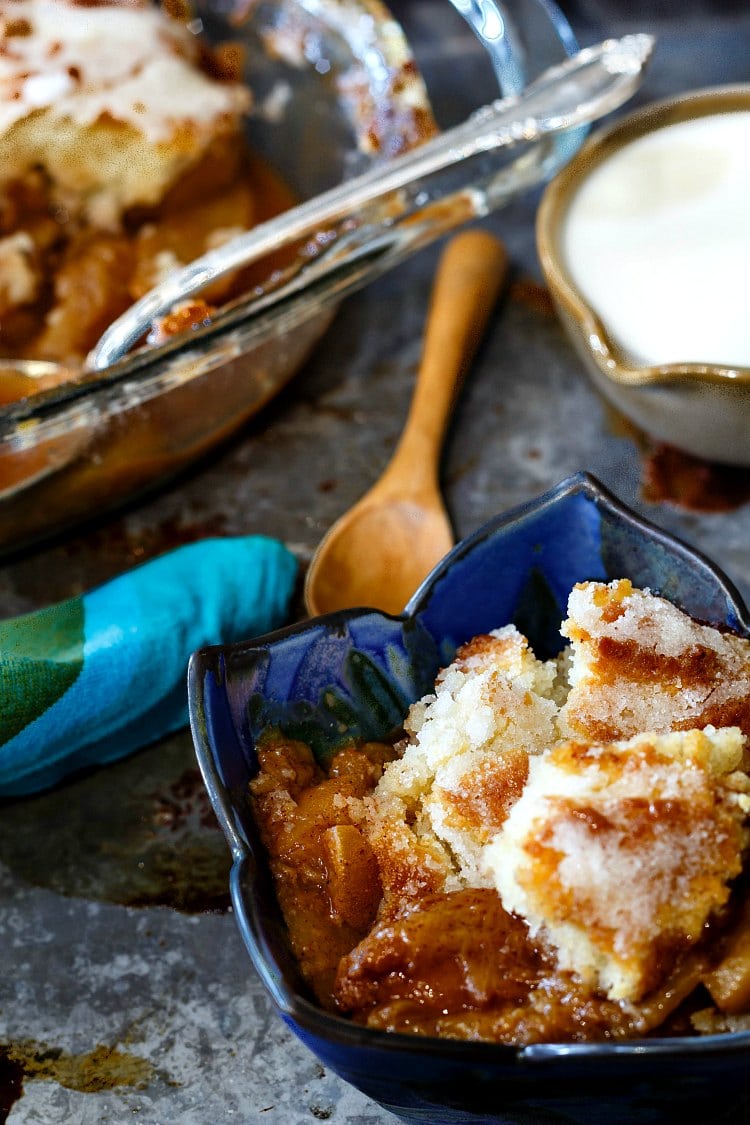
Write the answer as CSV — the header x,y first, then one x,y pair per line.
x,y
671,476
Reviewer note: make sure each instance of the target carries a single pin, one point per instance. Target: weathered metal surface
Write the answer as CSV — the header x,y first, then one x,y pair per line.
x,y
125,991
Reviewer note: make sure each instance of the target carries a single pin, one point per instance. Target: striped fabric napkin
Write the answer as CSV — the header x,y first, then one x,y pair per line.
x,y
88,680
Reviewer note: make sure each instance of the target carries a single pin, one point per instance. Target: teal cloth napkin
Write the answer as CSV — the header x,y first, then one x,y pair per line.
x,y
88,680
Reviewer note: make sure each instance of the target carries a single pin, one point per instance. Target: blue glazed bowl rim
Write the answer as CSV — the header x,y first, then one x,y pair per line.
x,y
304,1015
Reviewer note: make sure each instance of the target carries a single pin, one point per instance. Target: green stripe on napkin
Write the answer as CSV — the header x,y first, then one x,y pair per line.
x,y
41,655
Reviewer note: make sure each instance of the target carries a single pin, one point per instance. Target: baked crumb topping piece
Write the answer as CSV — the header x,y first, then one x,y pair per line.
x,y
639,664
122,157
617,855
463,766
109,99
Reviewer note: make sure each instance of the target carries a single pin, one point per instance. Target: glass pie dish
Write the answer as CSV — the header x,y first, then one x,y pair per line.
x,y
339,96
335,91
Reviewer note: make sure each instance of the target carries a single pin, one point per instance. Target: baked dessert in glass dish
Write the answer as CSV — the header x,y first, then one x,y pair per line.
x,y
122,156
134,139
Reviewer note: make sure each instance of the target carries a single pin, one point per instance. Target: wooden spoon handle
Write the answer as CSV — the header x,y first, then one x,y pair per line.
x,y
470,274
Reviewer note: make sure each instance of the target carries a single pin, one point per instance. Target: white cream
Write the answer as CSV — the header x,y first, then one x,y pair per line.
x,y
657,240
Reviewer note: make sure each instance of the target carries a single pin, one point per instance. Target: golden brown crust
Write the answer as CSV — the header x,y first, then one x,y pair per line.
x,y
639,664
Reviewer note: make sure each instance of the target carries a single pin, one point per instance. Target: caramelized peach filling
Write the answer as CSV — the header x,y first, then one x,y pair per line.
x,y
451,963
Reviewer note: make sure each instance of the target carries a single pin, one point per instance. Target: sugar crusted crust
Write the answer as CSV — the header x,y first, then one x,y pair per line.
x,y
463,766
618,854
640,664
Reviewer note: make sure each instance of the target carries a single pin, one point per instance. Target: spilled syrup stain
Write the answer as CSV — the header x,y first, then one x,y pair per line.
x,y
180,872
129,837
673,477
184,800
101,553
524,291
103,1068
11,1082
117,543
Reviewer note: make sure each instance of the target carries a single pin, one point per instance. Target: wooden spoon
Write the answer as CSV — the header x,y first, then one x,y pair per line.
x,y
379,552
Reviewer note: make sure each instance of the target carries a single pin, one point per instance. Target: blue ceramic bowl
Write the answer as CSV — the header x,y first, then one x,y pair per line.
x,y
354,673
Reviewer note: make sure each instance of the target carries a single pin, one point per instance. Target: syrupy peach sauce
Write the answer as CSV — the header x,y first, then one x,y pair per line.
x,y
92,277
454,964
325,872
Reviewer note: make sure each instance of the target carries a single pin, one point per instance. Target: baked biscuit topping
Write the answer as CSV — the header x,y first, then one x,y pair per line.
x,y
110,100
618,854
640,664
464,765
122,158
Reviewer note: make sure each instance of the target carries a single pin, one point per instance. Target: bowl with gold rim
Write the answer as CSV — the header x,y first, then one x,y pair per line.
x,y
641,238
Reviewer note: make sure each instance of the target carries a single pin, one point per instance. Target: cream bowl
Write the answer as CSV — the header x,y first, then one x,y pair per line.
x,y
628,239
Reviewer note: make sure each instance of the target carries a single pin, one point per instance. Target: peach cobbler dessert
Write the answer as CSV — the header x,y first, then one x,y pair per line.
x,y
554,850
121,158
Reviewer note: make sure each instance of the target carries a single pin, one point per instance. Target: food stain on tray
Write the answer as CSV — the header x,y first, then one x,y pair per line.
x,y
185,874
671,476
103,1068
531,295
103,553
